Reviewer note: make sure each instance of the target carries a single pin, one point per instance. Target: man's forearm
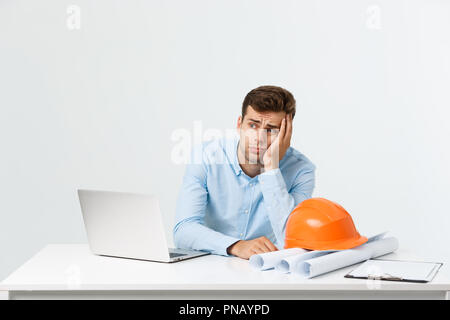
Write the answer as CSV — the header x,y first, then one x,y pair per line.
x,y
278,201
193,235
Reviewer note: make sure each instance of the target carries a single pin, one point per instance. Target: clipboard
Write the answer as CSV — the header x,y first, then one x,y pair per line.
x,y
396,270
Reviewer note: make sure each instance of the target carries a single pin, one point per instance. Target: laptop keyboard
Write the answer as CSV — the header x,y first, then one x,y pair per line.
x,y
174,255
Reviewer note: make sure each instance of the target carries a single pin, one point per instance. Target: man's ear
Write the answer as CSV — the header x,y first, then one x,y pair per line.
x,y
239,122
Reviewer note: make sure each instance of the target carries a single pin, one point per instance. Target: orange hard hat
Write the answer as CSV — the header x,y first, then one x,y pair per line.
x,y
321,224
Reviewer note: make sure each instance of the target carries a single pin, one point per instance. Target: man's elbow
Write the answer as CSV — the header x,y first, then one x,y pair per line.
x,y
177,237
184,234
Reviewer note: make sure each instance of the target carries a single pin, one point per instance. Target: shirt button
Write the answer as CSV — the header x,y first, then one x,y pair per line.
x,y
242,234
246,211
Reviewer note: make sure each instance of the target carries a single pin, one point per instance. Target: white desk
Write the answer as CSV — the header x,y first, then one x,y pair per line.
x,y
70,271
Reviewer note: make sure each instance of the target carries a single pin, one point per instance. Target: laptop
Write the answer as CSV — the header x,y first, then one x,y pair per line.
x,y
128,225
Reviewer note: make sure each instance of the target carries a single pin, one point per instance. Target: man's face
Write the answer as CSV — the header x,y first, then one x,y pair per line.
x,y
257,132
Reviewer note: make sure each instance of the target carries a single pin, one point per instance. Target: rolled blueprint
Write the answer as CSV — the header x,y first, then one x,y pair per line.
x,y
336,260
286,264
268,260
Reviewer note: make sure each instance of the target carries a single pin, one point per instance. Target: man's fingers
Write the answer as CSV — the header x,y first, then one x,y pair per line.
x,y
261,245
267,247
252,252
288,128
282,129
267,244
255,250
270,245
263,248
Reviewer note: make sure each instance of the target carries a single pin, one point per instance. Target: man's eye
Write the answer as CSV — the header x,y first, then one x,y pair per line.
x,y
252,125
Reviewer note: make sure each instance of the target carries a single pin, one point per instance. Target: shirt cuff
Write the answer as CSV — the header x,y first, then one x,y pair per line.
x,y
228,241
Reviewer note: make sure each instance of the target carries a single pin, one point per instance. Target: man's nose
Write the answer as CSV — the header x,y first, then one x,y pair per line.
x,y
262,136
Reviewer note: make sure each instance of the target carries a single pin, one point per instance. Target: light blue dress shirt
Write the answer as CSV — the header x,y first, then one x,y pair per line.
x,y
219,204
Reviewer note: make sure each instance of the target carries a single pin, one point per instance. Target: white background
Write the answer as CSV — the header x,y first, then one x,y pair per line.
x,y
95,107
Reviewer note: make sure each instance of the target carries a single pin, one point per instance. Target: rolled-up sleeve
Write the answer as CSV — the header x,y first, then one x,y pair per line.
x,y
190,231
280,202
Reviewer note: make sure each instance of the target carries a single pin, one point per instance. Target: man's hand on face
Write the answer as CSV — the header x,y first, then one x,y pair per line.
x,y
279,146
246,248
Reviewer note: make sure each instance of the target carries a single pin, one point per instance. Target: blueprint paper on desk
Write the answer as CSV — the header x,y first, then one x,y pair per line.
x,y
268,260
340,259
377,237
288,264
283,260
395,270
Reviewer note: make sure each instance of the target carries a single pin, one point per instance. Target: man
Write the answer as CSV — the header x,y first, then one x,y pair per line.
x,y
240,206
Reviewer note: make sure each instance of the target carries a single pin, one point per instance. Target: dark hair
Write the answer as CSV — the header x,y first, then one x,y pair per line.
x,y
269,98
